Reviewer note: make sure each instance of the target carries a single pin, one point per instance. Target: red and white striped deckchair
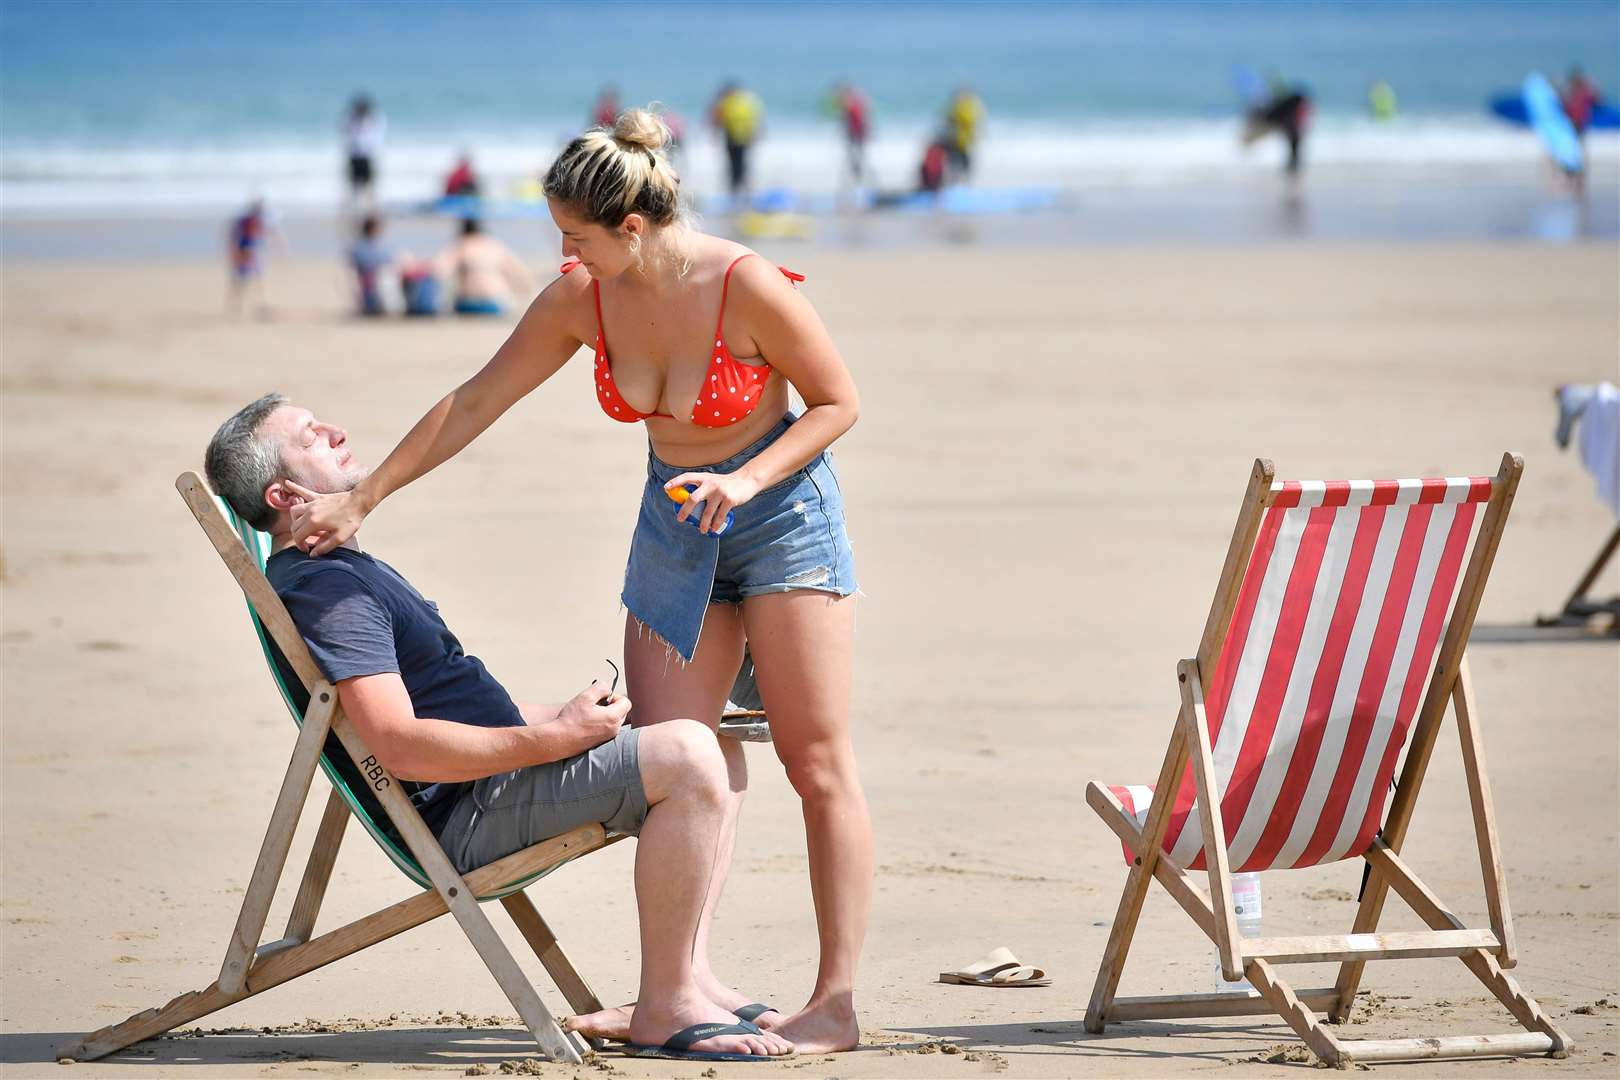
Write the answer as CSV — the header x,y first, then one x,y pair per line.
x,y
1328,641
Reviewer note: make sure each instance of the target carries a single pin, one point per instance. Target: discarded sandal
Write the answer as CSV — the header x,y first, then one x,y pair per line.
x,y
999,968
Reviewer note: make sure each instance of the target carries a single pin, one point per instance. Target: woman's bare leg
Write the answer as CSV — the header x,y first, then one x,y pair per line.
x,y
661,688
802,643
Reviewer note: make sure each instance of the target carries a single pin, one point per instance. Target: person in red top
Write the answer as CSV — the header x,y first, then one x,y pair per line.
x,y
1580,98
700,341
606,109
854,112
462,179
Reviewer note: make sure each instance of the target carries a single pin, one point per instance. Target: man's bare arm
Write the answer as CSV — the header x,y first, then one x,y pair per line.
x,y
442,751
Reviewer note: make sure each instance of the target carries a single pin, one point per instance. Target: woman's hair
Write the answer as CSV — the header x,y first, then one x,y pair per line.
x,y
606,175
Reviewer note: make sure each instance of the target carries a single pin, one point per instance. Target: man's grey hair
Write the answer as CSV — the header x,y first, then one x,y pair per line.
x,y
241,463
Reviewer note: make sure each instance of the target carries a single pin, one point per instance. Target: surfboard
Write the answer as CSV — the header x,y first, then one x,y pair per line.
x,y
1510,107
1550,123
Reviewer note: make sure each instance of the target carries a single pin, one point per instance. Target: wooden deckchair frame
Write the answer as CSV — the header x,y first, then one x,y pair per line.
x,y
250,968
1580,609
1487,953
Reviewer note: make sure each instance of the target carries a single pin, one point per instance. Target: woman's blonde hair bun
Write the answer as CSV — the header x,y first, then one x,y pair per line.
x,y
607,174
642,128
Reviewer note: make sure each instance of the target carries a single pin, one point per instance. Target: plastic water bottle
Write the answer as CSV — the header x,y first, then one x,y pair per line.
x,y
1246,908
682,495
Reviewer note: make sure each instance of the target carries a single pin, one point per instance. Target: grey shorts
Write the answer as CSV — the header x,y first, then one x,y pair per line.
x,y
510,811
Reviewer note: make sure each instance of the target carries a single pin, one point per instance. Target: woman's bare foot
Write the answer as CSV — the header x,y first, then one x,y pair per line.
x,y
824,1026
653,1023
731,1000
611,1023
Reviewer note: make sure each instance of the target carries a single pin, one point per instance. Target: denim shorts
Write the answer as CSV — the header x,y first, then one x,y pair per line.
x,y
510,811
789,536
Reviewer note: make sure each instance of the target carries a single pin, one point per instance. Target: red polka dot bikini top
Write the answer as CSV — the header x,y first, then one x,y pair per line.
x,y
732,391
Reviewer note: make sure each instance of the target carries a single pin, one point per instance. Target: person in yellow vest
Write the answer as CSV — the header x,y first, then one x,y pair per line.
x,y
964,116
738,113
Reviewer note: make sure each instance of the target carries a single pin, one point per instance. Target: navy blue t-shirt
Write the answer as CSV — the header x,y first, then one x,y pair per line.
x,y
360,617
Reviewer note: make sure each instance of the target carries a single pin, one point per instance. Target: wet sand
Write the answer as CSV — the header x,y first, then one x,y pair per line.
x,y
1040,490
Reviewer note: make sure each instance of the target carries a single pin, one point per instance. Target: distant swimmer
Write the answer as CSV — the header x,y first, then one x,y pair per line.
x,y
854,112
738,114
1288,113
1580,97
246,239
1381,101
483,272
606,110
463,180
964,116
363,130
931,171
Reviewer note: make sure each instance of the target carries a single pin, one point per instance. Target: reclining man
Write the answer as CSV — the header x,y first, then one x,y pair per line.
x,y
492,776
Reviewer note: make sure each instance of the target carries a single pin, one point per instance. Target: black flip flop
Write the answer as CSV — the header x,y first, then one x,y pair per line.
x,y
678,1046
748,1014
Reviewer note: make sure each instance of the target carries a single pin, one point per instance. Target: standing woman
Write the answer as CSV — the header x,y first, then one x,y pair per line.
x,y
700,339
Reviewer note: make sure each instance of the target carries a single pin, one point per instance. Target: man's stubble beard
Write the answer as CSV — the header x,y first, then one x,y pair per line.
x,y
348,483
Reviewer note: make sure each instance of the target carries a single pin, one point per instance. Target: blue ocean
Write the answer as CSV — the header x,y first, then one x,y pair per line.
x,y
130,103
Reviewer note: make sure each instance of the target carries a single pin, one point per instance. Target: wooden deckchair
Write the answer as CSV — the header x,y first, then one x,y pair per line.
x,y
1314,660
1582,609
363,788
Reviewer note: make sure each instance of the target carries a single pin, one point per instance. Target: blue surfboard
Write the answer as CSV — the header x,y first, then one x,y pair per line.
x,y
1550,123
1510,107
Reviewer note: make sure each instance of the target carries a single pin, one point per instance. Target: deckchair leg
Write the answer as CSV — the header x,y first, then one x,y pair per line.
x,y
1277,994
1578,609
261,890
1136,886
318,874
1479,798
463,903
334,945
1484,966
1209,818
535,930
285,964
1295,1013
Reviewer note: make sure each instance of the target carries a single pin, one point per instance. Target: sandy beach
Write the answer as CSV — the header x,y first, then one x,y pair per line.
x,y
1040,490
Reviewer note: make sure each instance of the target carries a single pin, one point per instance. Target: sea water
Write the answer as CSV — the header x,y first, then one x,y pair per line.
x,y
180,107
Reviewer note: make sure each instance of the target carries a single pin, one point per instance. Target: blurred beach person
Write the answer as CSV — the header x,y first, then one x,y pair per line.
x,y
1580,97
419,287
369,256
247,237
707,341
484,275
964,116
935,163
853,111
1382,103
738,114
463,179
363,130
1286,113
606,108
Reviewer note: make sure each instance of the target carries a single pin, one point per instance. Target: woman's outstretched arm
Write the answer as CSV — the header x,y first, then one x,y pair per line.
x,y
541,343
